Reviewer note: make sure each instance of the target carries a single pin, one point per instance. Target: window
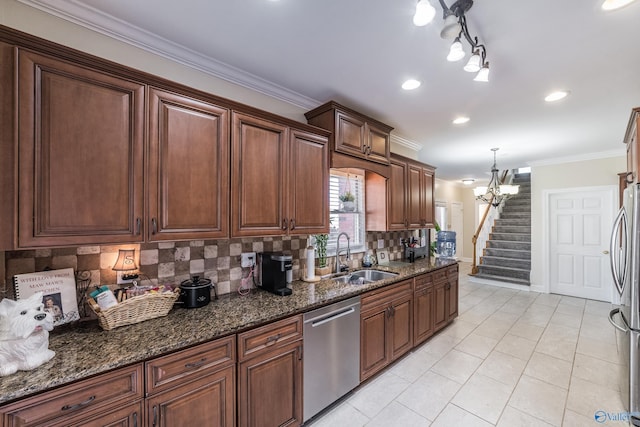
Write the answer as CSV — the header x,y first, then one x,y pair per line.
x,y
342,220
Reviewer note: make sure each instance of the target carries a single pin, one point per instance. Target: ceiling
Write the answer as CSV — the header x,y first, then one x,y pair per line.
x,y
359,52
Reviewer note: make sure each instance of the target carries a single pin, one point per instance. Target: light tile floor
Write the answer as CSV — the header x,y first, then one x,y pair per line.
x,y
511,358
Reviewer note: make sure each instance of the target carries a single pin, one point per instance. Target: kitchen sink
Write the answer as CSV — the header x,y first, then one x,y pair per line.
x,y
373,275
361,277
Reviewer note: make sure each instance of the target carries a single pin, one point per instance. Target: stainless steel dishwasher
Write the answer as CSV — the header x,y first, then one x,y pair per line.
x,y
331,354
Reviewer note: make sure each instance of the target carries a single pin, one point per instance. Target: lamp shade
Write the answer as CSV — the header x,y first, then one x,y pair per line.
x,y
456,53
479,191
451,27
425,12
473,65
483,74
126,260
509,189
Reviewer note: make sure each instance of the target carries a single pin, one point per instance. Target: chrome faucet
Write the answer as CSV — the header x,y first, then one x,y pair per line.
x,y
338,250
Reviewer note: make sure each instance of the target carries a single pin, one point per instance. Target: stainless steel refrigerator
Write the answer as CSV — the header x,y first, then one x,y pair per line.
x,y
625,266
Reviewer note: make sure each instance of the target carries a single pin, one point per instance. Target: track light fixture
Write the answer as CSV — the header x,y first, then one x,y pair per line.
x,y
455,27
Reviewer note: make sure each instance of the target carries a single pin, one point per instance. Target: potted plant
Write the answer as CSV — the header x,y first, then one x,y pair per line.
x,y
321,246
433,248
348,201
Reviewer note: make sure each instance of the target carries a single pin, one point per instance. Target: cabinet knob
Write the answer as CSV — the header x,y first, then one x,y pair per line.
x,y
285,224
138,226
154,226
292,225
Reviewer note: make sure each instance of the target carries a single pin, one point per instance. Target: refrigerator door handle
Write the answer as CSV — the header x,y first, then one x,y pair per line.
x,y
618,277
622,329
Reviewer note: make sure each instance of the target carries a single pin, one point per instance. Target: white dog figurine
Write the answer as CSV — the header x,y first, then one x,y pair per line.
x,y
24,336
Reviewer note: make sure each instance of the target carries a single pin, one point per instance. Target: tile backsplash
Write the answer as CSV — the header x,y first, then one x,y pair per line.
x,y
173,262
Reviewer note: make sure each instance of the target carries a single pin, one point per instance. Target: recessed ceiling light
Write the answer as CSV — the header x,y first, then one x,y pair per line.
x,y
615,4
460,120
411,84
468,181
556,96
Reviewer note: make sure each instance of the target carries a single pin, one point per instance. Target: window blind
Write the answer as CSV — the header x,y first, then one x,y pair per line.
x,y
352,223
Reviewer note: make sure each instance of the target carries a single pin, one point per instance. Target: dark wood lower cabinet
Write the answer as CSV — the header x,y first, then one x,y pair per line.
x,y
386,326
423,309
270,388
208,401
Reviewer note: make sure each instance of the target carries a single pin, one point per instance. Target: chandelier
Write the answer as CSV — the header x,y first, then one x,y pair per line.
x,y
495,192
455,27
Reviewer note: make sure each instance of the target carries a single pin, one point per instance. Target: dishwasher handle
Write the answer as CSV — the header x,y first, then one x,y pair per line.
x,y
331,317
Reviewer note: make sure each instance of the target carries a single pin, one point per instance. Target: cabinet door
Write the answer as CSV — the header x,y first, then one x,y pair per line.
x,y
308,184
396,197
270,388
452,292
427,199
208,401
188,168
378,145
373,341
440,309
401,327
415,196
422,314
350,135
259,161
81,135
8,153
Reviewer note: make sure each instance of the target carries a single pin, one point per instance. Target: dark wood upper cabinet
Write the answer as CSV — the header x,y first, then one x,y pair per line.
x,y
279,177
81,139
308,183
188,168
397,197
354,134
258,176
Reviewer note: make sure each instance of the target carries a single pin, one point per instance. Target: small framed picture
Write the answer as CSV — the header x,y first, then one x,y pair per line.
x,y
383,256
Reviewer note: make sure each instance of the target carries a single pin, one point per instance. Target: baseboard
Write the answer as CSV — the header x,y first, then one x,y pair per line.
x,y
499,284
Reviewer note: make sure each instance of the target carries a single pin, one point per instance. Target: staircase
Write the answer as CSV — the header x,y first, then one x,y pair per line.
x,y
507,255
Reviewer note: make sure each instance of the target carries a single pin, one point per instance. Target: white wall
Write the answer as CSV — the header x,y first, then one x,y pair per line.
x,y
578,174
33,21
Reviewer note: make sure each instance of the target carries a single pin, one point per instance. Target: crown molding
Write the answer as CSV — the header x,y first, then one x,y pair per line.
x,y
95,20
579,158
406,143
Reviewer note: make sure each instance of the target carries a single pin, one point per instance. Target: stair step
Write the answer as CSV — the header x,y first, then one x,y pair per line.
x,y
507,253
514,221
511,272
518,229
509,244
495,261
513,237
503,279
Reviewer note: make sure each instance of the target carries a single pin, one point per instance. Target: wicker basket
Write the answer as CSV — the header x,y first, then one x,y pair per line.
x,y
135,309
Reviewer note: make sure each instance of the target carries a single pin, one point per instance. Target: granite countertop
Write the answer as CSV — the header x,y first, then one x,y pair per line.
x,y
87,350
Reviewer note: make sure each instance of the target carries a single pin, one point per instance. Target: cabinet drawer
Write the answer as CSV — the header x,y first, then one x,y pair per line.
x,y
164,372
112,389
387,294
264,338
423,281
452,272
439,275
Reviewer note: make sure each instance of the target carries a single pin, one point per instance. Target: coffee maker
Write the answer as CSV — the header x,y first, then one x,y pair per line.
x,y
274,272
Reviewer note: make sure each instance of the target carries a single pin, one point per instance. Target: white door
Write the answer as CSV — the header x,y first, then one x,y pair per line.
x,y
579,228
457,225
